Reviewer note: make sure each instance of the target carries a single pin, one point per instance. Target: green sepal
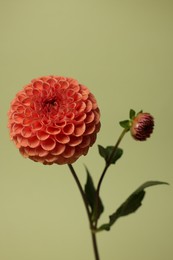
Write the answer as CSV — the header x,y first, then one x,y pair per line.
x,y
132,203
132,113
125,124
107,152
90,193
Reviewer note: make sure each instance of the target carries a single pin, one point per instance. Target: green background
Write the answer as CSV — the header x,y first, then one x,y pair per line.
x,y
123,52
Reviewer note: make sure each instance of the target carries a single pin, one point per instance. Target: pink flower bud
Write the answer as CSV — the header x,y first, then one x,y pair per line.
x,y
54,120
142,126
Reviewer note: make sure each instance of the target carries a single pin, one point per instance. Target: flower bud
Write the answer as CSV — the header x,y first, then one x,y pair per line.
x,y
142,126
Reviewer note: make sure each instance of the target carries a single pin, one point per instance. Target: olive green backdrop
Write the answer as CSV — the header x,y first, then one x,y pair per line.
x,y
123,51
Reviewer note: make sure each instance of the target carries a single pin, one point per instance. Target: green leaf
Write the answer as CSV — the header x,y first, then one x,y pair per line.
x,y
132,113
125,124
117,154
90,193
132,203
106,153
141,111
102,151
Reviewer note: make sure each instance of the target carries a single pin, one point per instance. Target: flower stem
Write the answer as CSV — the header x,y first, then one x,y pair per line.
x,y
93,235
108,163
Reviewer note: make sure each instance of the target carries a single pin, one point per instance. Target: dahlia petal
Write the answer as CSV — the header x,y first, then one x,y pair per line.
x,y
64,84
97,116
93,139
18,118
48,144
98,126
26,102
16,128
79,130
30,151
37,159
80,118
59,149
93,100
41,152
23,153
21,97
51,81
90,128
36,92
68,129
22,141
60,123
61,160
15,106
69,152
41,135
57,87
36,125
89,106
29,91
27,112
72,106
44,92
27,121
53,130
89,118
77,97
80,107
69,92
46,86
70,115
74,140
19,109
62,139
85,150
33,142
38,84
50,159
81,151
86,142
45,78
85,91
26,131
75,86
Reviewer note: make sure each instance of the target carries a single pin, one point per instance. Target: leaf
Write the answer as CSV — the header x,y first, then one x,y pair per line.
x,y
141,111
125,124
106,153
132,203
132,113
117,154
90,192
102,151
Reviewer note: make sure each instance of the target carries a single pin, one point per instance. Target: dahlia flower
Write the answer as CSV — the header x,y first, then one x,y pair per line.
x,y
142,126
54,120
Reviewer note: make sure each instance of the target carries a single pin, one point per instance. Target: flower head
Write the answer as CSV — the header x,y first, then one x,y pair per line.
x,y
54,120
142,126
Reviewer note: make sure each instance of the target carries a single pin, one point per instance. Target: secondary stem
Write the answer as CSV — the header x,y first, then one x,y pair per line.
x,y
93,235
108,163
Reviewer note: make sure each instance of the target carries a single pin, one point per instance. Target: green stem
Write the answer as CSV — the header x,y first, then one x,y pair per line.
x,y
108,163
93,235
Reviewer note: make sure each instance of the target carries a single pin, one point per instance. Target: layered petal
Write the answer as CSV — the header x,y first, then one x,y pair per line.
x,y
54,119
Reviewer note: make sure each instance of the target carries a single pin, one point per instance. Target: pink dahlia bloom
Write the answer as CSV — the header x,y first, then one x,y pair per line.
x,y
142,126
54,120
